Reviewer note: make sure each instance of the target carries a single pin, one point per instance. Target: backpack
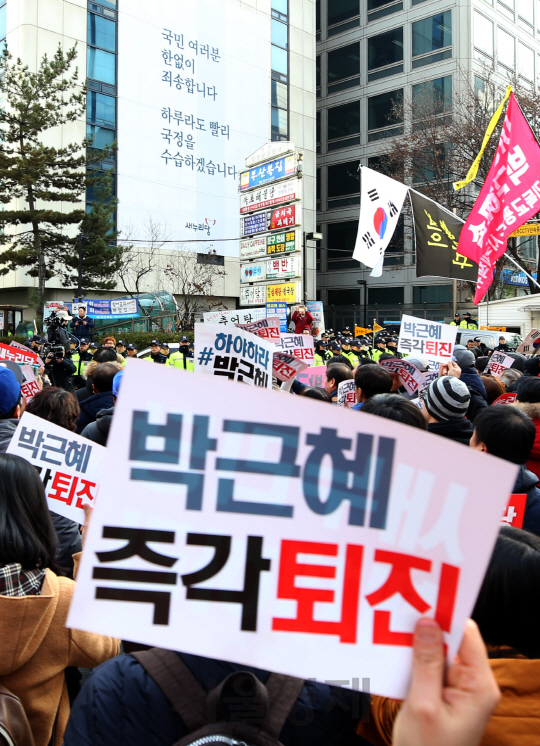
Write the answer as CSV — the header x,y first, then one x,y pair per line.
x,y
14,725
266,707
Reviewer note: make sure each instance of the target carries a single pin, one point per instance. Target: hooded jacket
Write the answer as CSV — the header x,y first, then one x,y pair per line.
x,y
98,431
458,429
7,428
470,377
37,647
533,410
90,408
526,483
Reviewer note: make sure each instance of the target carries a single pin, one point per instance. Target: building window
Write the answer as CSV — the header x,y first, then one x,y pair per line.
x,y
434,166
318,20
483,37
101,32
101,65
3,22
318,136
432,97
343,179
341,238
343,66
344,296
385,51
280,127
280,9
339,13
432,294
386,296
280,70
101,109
379,8
506,49
344,126
388,166
102,137
429,36
210,258
385,115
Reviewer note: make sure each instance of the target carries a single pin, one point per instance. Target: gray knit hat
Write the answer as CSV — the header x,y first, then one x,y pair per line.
x,y
447,398
464,357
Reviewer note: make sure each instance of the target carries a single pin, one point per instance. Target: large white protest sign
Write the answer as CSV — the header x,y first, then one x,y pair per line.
x,y
68,464
268,328
430,339
346,394
243,316
250,526
498,362
300,345
231,352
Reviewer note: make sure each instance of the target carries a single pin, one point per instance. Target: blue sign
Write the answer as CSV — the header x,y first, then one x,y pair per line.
x,y
257,223
511,277
268,172
278,309
117,308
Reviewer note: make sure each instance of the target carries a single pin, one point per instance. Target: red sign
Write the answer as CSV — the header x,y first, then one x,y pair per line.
x,y
509,197
506,399
515,511
18,355
283,217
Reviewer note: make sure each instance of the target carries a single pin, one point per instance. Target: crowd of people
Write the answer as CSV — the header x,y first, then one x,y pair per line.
x,y
490,693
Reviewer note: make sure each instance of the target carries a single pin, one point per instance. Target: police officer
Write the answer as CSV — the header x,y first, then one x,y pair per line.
x,y
357,354
121,348
380,348
165,350
392,347
468,322
132,350
80,358
346,351
155,355
502,346
182,359
456,321
321,353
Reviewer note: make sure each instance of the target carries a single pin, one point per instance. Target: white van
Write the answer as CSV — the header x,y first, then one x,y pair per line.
x,y
489,338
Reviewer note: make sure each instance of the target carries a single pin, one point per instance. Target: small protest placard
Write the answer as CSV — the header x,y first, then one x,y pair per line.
x,y
428,377
233,353
19,354
409,375
241,523
300,345
68,464
287,366
526,347
498,362
314,376
515,510
346,394
19,346
268,328
30,385
432,340
506,399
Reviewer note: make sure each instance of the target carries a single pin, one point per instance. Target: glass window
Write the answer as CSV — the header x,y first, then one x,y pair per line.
x,y
343,178
526,10
386,296
102,137
101,32
282,6
506,48
344,120
388,166
279,33
344,62
280,128
385,49
101,65
101,109
318,71
385,109
525,61
373,4
3,22
318,15
344,296
279,60
341,238
340,10
432,33
483,34
433,96
432,294
279,95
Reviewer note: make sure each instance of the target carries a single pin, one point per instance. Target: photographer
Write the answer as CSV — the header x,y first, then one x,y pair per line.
x,y
82,326
57,333
59,369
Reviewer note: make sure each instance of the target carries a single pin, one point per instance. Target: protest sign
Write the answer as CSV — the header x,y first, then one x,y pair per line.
x,y
428,378
233,353
498,362
515,510
300,345
19,354
409,375
403,533
234,317
287,366
527,345
432,340
30,385
314,376
39,362
506,399
346,394
265,328
278,309
68,464
315,308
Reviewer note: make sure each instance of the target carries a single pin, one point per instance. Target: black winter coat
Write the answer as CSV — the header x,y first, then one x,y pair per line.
x,y
459,430
120,705
98,431
69,540
90,408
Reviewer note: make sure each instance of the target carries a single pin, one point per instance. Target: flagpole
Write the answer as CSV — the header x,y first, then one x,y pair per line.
x,y
522,270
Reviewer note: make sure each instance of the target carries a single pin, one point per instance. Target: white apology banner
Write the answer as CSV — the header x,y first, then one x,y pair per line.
x,y
240,526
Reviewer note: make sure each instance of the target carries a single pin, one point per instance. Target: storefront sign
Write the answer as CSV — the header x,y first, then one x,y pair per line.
x,y
275,194
268,172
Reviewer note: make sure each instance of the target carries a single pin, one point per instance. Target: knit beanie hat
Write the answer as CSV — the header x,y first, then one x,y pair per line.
x,y
447,398
464,357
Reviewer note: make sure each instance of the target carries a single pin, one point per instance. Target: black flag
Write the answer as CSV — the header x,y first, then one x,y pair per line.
x,y
437,233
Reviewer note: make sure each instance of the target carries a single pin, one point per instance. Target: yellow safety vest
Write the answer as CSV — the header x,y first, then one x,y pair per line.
x,y
176,360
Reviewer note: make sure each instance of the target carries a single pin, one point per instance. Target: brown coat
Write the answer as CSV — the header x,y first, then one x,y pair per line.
x,y
36,647
516,721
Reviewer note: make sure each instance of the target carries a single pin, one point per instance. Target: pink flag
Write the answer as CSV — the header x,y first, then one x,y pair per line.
x,y
509,197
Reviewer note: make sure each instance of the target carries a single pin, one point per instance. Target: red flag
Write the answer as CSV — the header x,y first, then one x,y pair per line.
x,y
509,197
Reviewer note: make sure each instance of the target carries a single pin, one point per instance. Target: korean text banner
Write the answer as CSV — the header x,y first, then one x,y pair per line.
x,y
381,201
429,339
68,464
240,527
234,317
436,233
234,353
120,308
509,197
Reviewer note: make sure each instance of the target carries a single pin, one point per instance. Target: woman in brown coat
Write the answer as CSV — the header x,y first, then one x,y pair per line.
x,y
36,645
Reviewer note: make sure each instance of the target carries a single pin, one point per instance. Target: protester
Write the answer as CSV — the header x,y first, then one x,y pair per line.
x,y
369,381
155,354
481,347
34,601
335,374
102,398
101,355
12,405
109,342
302,319
508,433
82,325
481,363
98,431
528,400
509,379
531,367
339,360
395,407
519,361
494,388
444,408
57,406
315,392
469,375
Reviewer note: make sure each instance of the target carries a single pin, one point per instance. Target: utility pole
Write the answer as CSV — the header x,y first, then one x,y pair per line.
x,y
80,243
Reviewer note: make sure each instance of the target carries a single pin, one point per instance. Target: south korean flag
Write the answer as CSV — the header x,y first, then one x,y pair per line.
x,y
381,201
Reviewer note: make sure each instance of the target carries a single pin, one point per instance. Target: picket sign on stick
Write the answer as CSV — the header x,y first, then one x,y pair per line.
x,y
300,345
68,464
30,385
268,328
346,394
499,362
430,339
37,361
409,375
285,367
224,493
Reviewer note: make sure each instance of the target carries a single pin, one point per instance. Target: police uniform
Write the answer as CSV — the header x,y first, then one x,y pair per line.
x,y
158,357
183,359
468,324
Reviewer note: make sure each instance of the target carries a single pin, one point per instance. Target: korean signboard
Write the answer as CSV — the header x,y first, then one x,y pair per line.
x,y
268,196
68,464
30,384
289,292
234,317
283,268
283,243
252,295
265,173
19,354
270,220
253,248
253,272
278,309
233,353
300,345
236,503
120,308
346,394
315,308
429,339
287,366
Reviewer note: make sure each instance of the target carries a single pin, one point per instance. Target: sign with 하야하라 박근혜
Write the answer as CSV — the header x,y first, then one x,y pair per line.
x,y
251,531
